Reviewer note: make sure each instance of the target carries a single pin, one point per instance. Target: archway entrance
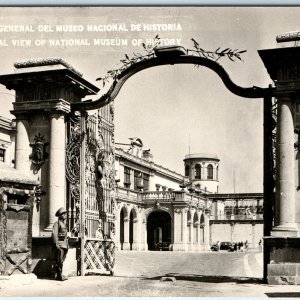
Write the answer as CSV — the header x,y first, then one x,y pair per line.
x,y
159,231
160,56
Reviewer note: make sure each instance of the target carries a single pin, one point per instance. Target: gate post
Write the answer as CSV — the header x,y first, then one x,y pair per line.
x,y
268,180
281,248
45,90
22,142
82,190
56,162
285,166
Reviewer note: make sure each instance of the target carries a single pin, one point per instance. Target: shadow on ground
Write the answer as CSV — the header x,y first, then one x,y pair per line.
x,y
283,295
206,278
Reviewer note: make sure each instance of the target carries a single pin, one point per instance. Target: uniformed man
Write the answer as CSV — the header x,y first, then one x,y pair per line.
x,y
60,242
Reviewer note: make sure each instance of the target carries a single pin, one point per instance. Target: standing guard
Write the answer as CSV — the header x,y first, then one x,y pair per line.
x,y
60,242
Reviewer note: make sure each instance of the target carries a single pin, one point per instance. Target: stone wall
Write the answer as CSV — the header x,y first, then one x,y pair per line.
x,y
237,231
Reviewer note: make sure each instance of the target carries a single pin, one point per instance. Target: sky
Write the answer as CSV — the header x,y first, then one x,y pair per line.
x,y
174,110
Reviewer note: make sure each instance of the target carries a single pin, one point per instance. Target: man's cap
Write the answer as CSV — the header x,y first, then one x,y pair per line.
x,y
61,211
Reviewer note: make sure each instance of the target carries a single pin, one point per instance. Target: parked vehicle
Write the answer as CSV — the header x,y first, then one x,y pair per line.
x,y
164,246
215,247
227,246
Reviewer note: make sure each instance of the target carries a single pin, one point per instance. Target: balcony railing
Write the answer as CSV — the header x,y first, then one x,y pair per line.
x,y
124,194
128,195
237,217
160,195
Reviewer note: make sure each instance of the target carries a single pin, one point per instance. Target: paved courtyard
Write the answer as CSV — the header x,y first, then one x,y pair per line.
x,y
139,274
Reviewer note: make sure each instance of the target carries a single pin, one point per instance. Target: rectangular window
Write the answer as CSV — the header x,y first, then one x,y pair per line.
x,y
2,155
146,182
137,179
126,176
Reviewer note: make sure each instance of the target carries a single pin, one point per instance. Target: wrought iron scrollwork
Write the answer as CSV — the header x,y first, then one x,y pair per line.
x,y
73,172
274,131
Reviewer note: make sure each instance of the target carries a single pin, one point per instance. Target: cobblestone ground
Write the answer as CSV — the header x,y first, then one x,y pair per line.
x,y
139,274
155,264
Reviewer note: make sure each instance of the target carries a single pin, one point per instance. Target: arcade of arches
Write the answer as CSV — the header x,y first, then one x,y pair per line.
x,y
162,228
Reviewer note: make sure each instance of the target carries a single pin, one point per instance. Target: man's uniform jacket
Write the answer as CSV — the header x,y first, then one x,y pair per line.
x,y
59,234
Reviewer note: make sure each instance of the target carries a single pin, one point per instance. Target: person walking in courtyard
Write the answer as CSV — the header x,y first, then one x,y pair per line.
x,y
246,245
260,246
60,242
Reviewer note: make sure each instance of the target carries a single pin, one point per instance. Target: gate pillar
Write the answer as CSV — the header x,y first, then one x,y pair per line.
x,y
22,142
282,246
45,90
284,219
56,162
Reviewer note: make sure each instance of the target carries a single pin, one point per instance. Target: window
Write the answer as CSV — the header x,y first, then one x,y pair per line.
x,y
2,155
137,180
210,172
146,182
187,170
197,171
217,173
127,176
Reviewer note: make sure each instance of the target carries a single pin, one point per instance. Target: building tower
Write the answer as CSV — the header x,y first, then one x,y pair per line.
x,y
202,170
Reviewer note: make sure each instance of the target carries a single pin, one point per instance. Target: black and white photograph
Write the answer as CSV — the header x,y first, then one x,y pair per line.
x,y
150,151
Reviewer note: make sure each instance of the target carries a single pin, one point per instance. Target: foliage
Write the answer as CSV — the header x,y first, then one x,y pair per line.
x,y
149,52
128,61
218,53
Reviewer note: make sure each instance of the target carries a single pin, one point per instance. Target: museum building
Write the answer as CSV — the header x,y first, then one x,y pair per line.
x,y
159,209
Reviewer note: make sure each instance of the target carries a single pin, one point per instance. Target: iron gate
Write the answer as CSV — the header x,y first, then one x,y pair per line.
x,y
91,185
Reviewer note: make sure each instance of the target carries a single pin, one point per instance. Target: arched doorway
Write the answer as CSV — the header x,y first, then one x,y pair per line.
x,y
159,231
123,216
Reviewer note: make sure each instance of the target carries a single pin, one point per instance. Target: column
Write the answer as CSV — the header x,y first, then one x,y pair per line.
x,y
198,236
135,233
139,230
184,228
177,230
285,176
206,230
57,166
204,171
22,147
191,234
126,245
145,235
117,228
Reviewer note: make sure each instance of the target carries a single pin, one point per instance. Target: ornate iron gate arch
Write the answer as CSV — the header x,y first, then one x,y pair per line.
x,y
179,55
154,61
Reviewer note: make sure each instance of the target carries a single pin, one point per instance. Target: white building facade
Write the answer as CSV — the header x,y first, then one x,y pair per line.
x,y
153,212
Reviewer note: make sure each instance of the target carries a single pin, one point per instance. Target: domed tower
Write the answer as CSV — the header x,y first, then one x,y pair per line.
x,y
203,171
